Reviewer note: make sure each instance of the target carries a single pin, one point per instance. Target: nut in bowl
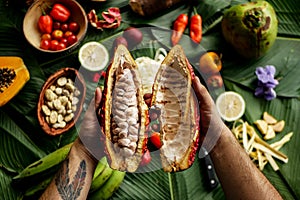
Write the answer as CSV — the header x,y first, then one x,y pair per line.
x,y
55,25
61,100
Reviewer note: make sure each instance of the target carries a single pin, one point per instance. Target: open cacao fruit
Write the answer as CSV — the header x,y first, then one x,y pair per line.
x,y
124,113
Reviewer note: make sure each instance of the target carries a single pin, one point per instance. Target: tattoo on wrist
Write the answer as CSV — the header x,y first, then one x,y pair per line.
x,y
67,189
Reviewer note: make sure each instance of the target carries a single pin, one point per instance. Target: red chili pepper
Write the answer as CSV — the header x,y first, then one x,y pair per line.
x,y
179,26
45,23
60,13
196,27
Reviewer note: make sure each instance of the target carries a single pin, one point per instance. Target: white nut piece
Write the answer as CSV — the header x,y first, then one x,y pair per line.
x,y
69,117
50,95
58,90
53,117
46,110
62,81
57,104
70,87
64,100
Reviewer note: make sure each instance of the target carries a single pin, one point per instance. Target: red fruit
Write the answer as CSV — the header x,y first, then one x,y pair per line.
x,y
61,46
133,36
72,39
73,27
60,13
46,36
64,27
56,25
155,139
45,23
57,34
215,81
65,41
146,158
45,44
67,34
53,45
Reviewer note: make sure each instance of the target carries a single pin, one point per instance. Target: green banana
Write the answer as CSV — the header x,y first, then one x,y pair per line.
x,y
109,187
45,163
100,167
101,179
33,190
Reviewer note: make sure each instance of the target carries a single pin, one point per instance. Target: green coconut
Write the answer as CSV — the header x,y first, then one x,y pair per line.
x,y
251,28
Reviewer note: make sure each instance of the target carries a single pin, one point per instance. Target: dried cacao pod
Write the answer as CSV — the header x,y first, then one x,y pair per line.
x,y
179,114
251,28
124,113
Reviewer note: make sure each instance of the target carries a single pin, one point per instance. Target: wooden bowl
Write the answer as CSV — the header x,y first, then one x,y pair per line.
x,y
79,83
30,22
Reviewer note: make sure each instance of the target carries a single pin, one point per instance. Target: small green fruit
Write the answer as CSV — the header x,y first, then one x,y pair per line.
x,y
251,28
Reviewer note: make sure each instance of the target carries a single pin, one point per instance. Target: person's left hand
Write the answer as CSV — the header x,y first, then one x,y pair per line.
x,y
90,129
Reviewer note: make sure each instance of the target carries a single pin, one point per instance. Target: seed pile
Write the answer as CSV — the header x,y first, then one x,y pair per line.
x,y
125,114
61,101
7,77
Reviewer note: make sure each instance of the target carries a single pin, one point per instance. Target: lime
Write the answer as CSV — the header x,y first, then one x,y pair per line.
x,y
230,105
93,56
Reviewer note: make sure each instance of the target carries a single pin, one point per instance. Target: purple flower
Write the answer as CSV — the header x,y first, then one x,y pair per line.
x,y
266,82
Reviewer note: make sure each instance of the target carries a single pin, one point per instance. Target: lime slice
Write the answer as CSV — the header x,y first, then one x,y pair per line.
x,y
93,56
230,105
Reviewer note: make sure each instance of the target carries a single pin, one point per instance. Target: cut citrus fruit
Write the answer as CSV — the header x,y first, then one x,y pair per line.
x,y
93,56
230,105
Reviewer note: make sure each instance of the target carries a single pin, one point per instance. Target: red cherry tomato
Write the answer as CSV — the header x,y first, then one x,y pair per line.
x,y
74,27
155,139
67,34
45,44
65,41
46,36
64,27
72,39
56,25
57,34
54,45
61,46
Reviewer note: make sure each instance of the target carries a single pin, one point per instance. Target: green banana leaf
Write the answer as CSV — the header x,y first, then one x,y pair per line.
x,y
23,141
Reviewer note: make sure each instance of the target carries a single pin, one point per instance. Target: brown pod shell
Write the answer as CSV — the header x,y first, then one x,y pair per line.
x,y
124,112
179,119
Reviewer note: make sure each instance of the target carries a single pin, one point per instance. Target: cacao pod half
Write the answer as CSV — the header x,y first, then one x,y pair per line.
x,y
179,114
125,117
124,112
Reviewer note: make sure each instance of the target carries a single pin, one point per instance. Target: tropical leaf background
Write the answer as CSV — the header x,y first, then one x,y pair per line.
x,y
22,141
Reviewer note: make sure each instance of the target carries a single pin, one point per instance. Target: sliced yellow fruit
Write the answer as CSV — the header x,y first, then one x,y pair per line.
x,y
93,56
270,133
269,118
262,126
279,126
230,105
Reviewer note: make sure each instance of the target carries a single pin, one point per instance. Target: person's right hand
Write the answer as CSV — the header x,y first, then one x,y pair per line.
x,y
211,124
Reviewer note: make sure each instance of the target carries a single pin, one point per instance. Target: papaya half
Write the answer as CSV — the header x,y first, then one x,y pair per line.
x,y
13,76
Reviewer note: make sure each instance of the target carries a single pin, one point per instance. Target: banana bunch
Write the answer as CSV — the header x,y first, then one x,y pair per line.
x,y
39,174
105,181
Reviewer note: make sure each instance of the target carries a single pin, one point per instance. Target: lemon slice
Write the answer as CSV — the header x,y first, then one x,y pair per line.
x,y
230,105
93,56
